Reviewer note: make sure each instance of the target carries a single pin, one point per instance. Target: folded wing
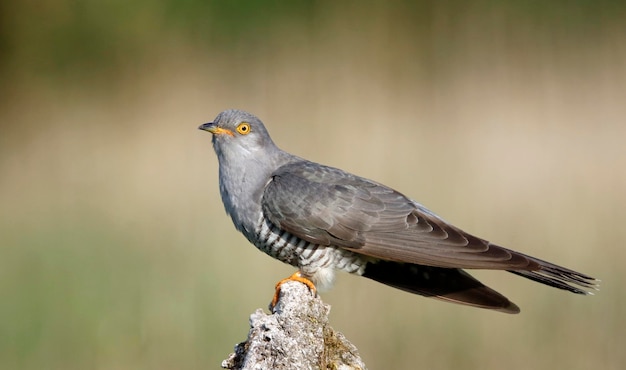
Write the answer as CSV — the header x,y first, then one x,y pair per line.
x,y
328,206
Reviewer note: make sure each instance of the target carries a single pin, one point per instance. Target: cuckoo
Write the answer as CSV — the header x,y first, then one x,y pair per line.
x,y
321,219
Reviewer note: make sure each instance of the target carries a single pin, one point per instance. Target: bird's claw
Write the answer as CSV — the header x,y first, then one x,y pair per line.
x,y
297,276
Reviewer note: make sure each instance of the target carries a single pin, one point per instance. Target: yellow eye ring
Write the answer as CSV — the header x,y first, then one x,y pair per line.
x,y
243,128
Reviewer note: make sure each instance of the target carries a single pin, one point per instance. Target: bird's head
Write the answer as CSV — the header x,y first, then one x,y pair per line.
x,y
238,134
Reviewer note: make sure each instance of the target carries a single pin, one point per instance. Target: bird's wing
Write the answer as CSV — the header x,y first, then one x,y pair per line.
x,y
328,206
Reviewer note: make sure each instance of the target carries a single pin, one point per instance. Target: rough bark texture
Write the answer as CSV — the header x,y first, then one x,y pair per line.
x,y
295,336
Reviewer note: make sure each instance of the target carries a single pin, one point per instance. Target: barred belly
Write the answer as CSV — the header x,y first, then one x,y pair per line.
x,y
315,261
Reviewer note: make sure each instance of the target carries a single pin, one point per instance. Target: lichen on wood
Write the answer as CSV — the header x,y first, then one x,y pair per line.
x,y
296,335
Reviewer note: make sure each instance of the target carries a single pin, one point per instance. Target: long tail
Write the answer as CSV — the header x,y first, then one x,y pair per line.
x,y
558,277
452,285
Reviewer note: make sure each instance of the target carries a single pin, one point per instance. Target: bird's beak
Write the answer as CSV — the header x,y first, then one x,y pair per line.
x,y
214,129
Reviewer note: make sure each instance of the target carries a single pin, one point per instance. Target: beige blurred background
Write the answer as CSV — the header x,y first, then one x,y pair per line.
x,y
506,118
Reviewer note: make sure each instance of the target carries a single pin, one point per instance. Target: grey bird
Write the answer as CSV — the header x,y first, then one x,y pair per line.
x,y
321,220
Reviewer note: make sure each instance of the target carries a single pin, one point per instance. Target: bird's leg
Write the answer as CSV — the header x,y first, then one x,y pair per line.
x,y
297,276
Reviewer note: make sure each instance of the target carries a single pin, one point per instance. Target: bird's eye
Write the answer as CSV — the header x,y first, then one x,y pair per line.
x,y
243,128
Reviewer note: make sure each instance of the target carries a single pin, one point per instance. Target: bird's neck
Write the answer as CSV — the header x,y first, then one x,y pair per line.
x,y
242,187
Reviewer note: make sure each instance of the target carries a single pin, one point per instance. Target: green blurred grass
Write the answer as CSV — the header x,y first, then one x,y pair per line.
x,y
115,250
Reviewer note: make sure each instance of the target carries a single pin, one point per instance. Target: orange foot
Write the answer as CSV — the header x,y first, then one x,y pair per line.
x,y
297,276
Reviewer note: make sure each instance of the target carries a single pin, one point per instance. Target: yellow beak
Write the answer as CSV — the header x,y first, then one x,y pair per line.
x,y
215,130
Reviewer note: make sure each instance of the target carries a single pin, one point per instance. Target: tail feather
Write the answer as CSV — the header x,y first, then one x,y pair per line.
x,y
452,285
560,277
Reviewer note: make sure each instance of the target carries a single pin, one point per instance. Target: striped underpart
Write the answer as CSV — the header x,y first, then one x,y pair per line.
x,y
308,257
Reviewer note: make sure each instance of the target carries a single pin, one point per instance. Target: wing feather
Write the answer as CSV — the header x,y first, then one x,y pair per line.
x,y
328,206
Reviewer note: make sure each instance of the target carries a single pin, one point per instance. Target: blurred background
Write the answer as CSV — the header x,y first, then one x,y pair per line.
x,y
506,118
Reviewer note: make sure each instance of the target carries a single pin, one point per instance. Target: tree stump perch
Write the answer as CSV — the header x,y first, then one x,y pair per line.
x,y
295,336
